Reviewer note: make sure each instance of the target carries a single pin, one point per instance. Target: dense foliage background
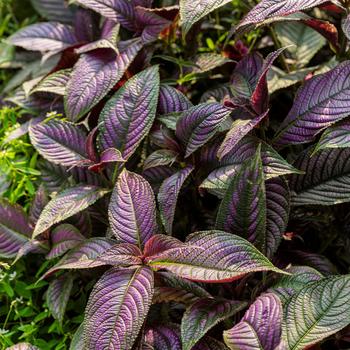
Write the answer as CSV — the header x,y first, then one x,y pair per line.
x,y
130,127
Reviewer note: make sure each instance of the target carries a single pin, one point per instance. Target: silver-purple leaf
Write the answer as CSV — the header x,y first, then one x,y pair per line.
x,y
213,257
117,307
122,254
94,75
83,256
44,37
199,124
168,194
53,10
260,328
157,244
40,200
132,210
77,342
243,208
67,203
129,114
268,10
164,337
172,100
23,346
15,230
59,142
160,157
326,185
54,83
345,26
203,315
57,295
63,238
322,101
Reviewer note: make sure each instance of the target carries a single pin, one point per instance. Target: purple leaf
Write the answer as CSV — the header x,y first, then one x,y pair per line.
x,y
132,210
199,124
322,100
243,208
155,176
59,142
213,257
86,25
160,157
173,294
117,307
77,342
159,243
172,100
44,37
58,295
128,116
64,237
122,254
66,204
14,229
239,129
260,328
164,337
203,315
273,9
33,246
94,75
345,26
54,83
83,256
40,200
22,346
53,10
167,196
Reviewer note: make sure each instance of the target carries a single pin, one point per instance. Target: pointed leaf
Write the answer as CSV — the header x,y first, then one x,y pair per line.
x,y
77,342
94,75
325,185
58,295
54,83
23,346
205,62
243,208
66,204
192,11
172,100
117,307
168,194
132,210
345,25
43,37
164,337
122,254
14,229
128,116
53,10
203,315
160,158
157,244
59,142
199,124
64,237
317,311
213,256
319,103
260,327
40,200
83,256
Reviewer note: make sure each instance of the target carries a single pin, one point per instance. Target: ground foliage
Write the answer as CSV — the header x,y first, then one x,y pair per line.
x,y
191,162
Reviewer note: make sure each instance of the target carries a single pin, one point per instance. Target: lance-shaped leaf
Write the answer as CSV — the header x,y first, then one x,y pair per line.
x,y
213,256
317,311
47,36
168,194
54,83
269,10
203,315
64,237
40,200
32,246
192,11
53,10
336,136
58,295
170,294
260,328
300,277
345,25
199,124
77,342
323,100
205,62
14,229
83,256
59,142
94,75
132,210
239,129
66,204
326,185
23,346
122,254
164,337
303,42
128,116
208,343
117,307
277,213
243,208
160,243
172,100
160,157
